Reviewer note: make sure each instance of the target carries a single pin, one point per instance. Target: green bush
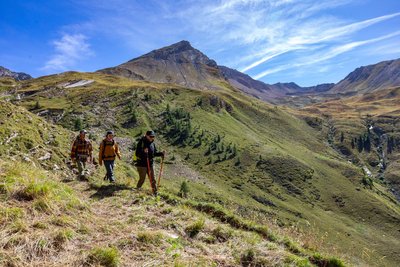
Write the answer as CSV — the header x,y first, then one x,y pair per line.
x,y
62,237
148,237
184,190
33,191
11,214
248,258
195,228
108,257
320,260
291,246
222,234
367,181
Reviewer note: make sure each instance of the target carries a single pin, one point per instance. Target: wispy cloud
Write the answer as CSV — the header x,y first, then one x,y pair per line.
x,y
254,36
331,53
319,35
69,50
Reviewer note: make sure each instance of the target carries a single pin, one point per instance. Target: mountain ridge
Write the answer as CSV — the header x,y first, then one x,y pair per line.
x,y
18,76
370,78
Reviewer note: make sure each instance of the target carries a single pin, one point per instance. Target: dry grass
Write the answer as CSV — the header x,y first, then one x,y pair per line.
x,y
113,232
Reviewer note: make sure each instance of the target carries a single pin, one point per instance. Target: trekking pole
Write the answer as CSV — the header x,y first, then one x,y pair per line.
x,y
149,174
161,169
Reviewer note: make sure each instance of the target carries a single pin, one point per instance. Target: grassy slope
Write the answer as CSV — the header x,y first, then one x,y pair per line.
x,y
327,204
353,115
47,219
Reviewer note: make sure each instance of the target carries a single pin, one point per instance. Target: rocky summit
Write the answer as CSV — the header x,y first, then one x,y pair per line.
x,y
179,63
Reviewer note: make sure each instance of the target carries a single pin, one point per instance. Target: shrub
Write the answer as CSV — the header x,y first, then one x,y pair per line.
x,y
42,204
222,234
37,105
184,190
320,260
298,261
108,257
62,237
291,246
195,228
148,237
33,191
10,214
78,124
40,225
237,163
367,181
248,258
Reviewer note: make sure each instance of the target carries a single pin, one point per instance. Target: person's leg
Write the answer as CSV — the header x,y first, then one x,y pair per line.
x,y
107,165
142,176
84,169
112,178
80,167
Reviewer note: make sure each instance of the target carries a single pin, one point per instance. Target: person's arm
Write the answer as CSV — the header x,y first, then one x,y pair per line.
x,y
101,153
117,152
156,153
73,150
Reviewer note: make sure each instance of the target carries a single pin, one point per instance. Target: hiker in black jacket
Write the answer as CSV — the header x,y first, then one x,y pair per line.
x,y
145,152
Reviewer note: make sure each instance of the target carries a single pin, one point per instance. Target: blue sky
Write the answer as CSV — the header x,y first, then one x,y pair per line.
x,y
304,41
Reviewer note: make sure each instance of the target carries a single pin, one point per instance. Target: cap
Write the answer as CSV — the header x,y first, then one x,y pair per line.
x,y
150,133
83,131
110,132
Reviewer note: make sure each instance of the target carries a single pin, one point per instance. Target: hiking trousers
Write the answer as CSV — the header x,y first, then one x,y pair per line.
x,y
81,167
109,164
142,176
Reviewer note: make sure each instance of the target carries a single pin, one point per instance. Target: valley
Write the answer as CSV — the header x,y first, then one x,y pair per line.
x,y
294,169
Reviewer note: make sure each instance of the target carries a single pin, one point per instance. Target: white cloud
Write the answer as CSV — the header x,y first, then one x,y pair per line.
x,y
245,34
69,50
315,34
325,55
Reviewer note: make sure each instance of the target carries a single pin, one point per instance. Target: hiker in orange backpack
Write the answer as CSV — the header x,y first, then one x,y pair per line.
x,y
145,152
80,153
108,151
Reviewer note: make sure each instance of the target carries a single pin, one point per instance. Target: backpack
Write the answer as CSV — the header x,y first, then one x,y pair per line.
x,y
104,146
134,157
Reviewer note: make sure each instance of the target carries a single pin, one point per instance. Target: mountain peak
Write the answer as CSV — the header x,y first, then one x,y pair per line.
x,y
182,45
182,52
178,63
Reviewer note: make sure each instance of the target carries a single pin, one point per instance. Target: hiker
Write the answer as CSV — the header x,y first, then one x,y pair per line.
x,y
145,152
107,153
80,153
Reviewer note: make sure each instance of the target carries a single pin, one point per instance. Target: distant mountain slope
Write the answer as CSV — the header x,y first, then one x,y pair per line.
x,y
18,76
248,85
370,78
266,91
179,63
184,65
